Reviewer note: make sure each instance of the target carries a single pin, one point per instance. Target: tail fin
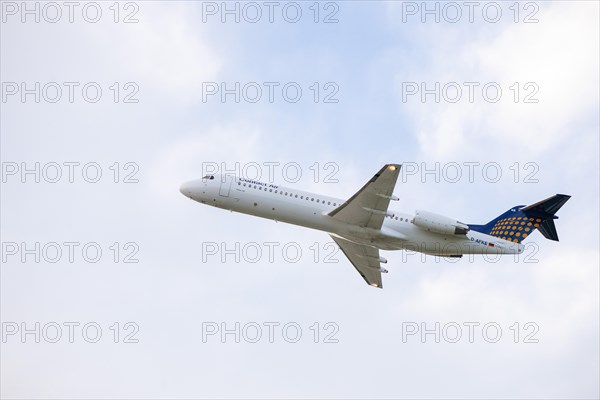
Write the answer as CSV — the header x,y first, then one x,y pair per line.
x,y
520,221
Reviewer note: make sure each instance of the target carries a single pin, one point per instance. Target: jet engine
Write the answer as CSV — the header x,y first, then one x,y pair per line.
x,y
439,224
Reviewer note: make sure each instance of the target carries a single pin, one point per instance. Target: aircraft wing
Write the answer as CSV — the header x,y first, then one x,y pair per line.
x,y
364,258
368,207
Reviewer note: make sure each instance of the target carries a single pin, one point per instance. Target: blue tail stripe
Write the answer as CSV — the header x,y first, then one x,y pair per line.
x,y
514,225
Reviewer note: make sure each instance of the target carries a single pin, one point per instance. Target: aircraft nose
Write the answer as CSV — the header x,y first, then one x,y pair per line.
x,y
187,188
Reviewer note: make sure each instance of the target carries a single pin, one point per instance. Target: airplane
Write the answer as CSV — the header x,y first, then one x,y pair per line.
x,y
363,225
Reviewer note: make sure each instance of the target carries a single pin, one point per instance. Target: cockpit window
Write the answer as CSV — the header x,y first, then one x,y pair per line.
x,y
208,177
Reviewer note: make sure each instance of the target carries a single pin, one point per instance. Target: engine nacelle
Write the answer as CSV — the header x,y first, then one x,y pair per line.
x,y
439,224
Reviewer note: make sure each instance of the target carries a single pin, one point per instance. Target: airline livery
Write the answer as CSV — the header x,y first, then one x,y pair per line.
x,y
363,224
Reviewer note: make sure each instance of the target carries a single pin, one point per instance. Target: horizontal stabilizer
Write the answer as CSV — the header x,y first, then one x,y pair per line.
x,y
548,207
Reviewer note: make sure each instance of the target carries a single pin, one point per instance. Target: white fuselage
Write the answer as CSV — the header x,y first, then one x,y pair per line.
x,y
311,210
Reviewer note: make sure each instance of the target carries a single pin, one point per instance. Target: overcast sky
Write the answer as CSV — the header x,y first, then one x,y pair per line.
x,y
504,94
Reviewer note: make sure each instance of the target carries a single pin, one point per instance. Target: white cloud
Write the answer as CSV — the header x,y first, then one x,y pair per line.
x,y
559,54
167,50
172,291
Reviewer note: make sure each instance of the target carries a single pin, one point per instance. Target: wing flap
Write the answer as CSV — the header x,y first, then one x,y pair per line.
x,y
365,259
369,206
